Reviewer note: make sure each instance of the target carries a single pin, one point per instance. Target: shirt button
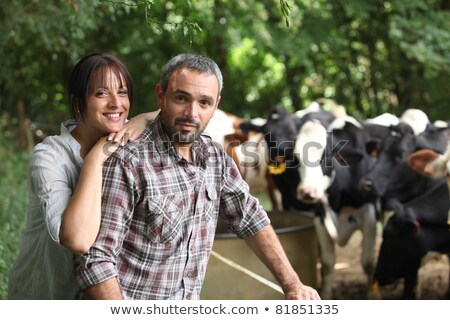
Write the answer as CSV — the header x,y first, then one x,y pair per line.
x,y
189,274
189,296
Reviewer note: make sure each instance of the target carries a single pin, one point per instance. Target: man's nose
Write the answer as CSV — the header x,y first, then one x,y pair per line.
x,y
191,110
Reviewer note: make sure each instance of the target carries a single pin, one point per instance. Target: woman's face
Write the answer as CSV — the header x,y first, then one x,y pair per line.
x,y
108,104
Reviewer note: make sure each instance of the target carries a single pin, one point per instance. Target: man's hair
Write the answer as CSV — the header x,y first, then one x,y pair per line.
x,y
191,61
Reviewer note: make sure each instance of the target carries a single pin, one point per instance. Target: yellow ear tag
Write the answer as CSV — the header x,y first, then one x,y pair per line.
x,y
374,153
376,287
277,168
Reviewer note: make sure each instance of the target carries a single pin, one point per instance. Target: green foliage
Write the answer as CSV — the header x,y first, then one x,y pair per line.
x,y
13,205
425,40
370,56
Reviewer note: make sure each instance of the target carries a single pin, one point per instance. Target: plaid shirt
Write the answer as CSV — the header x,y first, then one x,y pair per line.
x,y
159,216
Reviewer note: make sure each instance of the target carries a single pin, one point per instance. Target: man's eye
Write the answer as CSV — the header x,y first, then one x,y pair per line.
x,y
205,103
180,98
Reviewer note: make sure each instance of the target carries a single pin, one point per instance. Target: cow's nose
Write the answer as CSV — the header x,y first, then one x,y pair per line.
x,y
308,195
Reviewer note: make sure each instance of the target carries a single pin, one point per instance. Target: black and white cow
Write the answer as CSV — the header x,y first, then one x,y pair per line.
x,y
280,131
248,150
391,177
332,160
416,228
434,165
407,194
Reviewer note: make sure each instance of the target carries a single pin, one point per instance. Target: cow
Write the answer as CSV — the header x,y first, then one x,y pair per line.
x,y
402,190
248,150
390,176
250,153
332,160
280,131
416,229
431,164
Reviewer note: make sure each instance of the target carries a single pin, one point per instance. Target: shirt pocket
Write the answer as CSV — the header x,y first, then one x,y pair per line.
x,y
164,218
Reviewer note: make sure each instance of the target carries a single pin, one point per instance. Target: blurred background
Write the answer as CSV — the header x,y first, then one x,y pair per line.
x,y
369,56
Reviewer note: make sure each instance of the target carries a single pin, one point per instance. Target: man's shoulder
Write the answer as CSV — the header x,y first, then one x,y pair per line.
x,y
131,151
209,142
134,150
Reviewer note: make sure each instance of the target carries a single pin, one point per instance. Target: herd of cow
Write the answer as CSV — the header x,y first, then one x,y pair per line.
x,y
352,174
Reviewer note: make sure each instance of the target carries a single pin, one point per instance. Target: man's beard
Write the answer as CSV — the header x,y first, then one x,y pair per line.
x,y
183,137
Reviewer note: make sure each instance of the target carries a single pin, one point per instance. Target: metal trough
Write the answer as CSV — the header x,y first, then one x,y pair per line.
x,y
225,278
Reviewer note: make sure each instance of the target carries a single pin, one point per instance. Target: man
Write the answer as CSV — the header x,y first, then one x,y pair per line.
x,y
162,196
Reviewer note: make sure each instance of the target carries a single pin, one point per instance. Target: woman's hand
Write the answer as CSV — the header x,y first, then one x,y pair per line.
x,y
133,128
102,150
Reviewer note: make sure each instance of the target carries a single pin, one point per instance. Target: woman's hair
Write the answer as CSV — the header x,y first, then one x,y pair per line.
x,y
92,71
191,61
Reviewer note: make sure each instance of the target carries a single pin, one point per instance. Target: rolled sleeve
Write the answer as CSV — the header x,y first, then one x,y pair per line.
x,y
95,274
52,187
240,210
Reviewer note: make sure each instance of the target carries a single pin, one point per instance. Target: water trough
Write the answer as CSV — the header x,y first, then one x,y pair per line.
x,y
235,273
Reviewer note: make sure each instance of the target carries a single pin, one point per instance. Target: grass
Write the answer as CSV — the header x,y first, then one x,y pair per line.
x,y
13,206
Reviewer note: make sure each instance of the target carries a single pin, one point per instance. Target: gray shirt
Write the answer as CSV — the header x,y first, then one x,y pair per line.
x,y
43,268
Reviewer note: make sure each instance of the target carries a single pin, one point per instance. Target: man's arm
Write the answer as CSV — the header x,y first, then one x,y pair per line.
x,y
268,249
107,290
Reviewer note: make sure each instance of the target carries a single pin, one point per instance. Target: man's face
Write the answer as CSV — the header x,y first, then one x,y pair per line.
x,y
188,104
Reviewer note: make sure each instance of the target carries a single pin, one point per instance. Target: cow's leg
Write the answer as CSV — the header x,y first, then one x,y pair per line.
x,y
327,257
411,289
369,231
411,286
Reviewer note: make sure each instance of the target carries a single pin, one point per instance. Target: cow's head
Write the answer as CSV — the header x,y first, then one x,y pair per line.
x,y
390,171
280,131
310,146
324,154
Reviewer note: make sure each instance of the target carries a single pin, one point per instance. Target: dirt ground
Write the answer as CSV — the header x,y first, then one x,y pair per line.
x,y
350,280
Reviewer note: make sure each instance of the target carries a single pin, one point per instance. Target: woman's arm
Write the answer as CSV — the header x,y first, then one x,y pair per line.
x,y
81,219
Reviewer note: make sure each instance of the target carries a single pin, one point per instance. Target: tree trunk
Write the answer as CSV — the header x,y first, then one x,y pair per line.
x,y
26,141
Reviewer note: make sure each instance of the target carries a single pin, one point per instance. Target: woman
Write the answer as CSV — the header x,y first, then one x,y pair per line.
x,y
65,179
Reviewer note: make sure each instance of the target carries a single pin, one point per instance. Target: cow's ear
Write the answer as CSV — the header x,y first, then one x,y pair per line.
x,y
372,148
419,160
